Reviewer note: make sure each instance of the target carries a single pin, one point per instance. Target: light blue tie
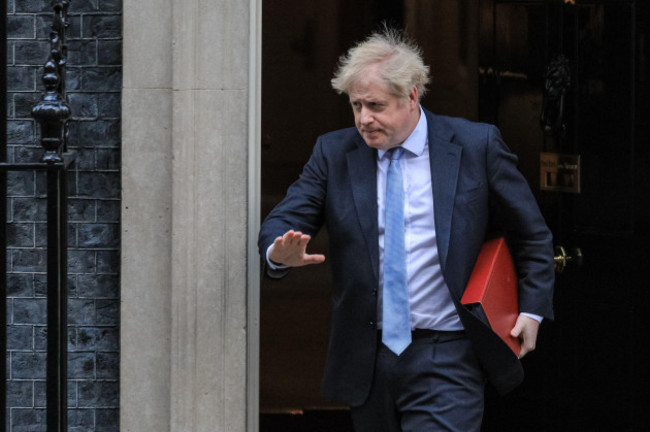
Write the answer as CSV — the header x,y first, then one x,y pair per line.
x,y
396,331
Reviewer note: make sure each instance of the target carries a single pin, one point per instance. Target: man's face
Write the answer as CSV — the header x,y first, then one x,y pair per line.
x,y
383,119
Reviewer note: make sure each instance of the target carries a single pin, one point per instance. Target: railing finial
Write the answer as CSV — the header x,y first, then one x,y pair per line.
x,y
53,110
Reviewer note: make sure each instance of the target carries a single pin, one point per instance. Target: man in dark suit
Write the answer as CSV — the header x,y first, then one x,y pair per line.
x,y
408,198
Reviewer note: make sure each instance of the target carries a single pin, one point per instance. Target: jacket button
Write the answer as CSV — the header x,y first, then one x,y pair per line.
x,y
371,324
374,292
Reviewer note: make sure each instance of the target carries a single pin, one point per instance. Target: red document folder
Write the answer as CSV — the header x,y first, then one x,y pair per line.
x,y
491,292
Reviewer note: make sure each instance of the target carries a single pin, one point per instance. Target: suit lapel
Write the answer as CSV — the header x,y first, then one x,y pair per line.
x,y
362,166
444,157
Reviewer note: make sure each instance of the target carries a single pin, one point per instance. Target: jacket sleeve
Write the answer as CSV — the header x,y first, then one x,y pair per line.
x,y
302,209
518,215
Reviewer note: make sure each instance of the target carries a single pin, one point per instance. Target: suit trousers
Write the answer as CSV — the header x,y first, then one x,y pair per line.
x,y
436,384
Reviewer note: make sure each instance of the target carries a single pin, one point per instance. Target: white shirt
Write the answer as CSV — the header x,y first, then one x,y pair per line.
x,y
429,298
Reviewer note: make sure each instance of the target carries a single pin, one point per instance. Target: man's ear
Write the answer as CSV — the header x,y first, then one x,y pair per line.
x,y
413,98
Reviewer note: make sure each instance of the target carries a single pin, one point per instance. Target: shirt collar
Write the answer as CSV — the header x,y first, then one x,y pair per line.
x,y
417,141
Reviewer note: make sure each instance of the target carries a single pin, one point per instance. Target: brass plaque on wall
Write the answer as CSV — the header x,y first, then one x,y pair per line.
x,y
560,172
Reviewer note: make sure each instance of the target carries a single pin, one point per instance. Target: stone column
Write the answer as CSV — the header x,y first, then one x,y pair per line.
x,y
188,215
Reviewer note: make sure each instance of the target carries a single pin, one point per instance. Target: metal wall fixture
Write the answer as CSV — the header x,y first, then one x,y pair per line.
x,y
52,113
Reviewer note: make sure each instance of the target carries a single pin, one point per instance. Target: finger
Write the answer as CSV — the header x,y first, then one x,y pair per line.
x,y
529,342
525,349
304,240
284,241
282,245
278,245
296,239
293,237
288,236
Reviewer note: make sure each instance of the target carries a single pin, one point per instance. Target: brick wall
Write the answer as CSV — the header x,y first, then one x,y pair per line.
x,y
93,83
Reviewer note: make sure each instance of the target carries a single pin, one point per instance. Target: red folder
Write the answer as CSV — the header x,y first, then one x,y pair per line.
x,y
491,292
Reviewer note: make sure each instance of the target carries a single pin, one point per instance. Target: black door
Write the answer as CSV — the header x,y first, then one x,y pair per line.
x,y
570,78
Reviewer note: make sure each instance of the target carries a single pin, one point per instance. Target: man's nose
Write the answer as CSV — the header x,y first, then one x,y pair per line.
x,y
365,116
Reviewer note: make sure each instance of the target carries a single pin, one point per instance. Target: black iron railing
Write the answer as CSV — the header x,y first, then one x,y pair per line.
x,y
3,210
52,113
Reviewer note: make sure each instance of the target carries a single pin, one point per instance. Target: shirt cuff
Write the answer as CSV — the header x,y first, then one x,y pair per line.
x,y
272,265
533,316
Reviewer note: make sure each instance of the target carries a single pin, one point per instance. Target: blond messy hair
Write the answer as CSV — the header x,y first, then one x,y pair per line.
x,y
400,64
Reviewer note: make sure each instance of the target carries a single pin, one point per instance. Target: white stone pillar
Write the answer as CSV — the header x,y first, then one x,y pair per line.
x,y
190,212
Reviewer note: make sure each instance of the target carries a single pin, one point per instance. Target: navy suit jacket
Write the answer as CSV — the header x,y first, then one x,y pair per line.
x,y
476,188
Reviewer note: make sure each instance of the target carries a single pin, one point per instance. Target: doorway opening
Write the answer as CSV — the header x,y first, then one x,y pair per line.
x,y
488,60
301,44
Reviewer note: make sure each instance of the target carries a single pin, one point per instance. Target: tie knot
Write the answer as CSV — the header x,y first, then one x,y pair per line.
x,y
395,153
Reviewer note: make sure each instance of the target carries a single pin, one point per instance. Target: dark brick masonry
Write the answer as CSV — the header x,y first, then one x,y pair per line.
x,y
93,84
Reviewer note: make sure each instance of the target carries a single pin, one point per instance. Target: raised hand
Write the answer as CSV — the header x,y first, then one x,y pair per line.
x,y
290,250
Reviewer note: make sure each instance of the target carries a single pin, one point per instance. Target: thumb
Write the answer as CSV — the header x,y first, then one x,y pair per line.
x,y
516,330
313,258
